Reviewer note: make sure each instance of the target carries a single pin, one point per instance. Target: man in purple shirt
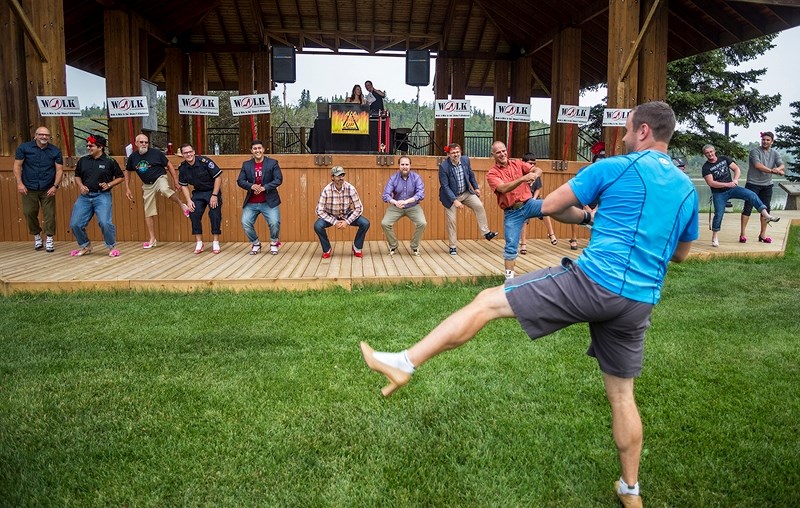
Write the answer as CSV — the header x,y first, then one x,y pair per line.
x,y
403,192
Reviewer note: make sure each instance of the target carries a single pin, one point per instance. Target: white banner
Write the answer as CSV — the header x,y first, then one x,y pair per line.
x,y
573,114
205,105
452,108
250,104
54,105
123,107
512,112
615,117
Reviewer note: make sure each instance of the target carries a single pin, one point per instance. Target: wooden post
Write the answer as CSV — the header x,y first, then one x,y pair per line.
x,y
177,83
34,60
246,87
459,92
121,35
520,93
653,54
501,93
565,86
441,89
199,80
623,23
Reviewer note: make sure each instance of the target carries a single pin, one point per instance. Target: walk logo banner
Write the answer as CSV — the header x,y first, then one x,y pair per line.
x,y
349,119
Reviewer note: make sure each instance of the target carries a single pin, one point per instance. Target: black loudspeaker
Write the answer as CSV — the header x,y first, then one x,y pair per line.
x,y
401,139
283,64
418,67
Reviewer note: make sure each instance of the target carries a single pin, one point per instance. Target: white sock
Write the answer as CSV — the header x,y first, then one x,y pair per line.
x,y
198,246
215,245
510,274
397,360
624,488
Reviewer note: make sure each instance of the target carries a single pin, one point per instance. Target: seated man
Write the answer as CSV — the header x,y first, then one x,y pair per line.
x,y
403,192
339,205
717,174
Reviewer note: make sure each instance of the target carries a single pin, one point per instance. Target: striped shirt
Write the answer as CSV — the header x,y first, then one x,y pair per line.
x,y
335,204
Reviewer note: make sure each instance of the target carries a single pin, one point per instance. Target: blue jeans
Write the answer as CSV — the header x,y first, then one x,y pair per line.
x,y
514,220
272,215
720,198
86,206
320,227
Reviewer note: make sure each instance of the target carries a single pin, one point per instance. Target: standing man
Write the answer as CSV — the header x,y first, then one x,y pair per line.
x,y
339,205
510,180
459,188
38,168
763,163
151,165
374,98
95,174
717,174
261,177
403,192
649,217
206,179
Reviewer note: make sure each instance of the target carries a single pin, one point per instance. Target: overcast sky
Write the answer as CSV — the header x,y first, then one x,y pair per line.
x,y
325,76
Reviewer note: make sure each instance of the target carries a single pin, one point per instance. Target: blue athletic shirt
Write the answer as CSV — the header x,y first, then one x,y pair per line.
x,y
646,206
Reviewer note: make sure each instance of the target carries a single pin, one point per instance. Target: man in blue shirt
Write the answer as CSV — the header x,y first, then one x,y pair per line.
x,y
647,216
403,192
38,168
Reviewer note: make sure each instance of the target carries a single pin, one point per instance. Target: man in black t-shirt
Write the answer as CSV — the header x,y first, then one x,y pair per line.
x,y
151,165
717,174
201,173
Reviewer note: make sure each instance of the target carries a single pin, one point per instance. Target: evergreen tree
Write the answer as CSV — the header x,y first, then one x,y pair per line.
x,y
788,137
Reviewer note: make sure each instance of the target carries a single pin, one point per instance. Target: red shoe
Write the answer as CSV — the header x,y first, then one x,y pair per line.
x,y
765,239
326,255
742,239
357,253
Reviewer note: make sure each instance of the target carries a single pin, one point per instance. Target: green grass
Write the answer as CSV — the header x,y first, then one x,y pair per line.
x,y
261,399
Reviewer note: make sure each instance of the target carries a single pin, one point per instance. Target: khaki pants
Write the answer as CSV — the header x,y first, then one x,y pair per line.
x,y
30,209
394,214
472,202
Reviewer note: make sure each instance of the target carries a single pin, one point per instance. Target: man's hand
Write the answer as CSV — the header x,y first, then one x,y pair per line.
x,y
477,193
21,188
257,189
129,194
52,190
458,204
341,224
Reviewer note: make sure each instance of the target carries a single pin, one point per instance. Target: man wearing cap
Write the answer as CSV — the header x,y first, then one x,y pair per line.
x,y
151,165
510,181
339,205
404,191
38,168
260,177
459,188
95,175
206,178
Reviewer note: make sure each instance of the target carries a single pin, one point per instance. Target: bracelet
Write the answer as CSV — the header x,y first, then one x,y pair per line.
x,y
214,195
587,218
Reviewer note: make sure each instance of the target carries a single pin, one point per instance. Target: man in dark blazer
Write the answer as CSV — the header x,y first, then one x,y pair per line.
x,y
459,188
261,177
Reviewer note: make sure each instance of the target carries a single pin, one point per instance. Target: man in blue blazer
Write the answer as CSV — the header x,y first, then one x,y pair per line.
x,y
261,177
459,188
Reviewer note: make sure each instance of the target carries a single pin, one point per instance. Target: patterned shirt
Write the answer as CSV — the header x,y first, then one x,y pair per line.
x,y
335,204
461,178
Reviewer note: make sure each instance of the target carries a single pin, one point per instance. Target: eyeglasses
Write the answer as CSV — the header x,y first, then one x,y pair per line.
x,y
143,142
44,135
190,152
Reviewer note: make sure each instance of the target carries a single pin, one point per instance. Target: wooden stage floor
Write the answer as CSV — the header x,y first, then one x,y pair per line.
x,y
298,266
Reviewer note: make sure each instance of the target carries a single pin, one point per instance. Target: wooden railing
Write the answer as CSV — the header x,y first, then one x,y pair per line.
x,y
303,180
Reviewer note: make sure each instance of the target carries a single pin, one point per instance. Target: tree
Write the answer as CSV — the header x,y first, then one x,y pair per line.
x,y
708,86
788,137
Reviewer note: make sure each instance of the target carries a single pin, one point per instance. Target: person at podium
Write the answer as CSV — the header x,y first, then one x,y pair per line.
x,y
374,99
356,96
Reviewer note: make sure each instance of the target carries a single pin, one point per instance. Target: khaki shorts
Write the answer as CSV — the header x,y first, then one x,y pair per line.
x,y
151,189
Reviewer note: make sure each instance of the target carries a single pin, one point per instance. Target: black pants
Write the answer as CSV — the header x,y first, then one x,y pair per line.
x,y
201,201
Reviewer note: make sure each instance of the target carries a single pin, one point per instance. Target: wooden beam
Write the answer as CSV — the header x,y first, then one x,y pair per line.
x,y
634,52
26,23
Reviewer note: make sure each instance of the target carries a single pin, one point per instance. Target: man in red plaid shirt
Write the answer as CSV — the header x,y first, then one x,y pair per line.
x,y
339,205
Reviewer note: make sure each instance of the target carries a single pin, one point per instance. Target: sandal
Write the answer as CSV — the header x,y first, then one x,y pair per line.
x,y
523,248
82,252
255,249
114,253
573,244
552,238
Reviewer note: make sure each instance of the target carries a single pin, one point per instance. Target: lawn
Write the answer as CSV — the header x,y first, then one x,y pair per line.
x,y
262,399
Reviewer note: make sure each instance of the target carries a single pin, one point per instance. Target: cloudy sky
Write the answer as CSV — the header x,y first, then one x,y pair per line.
x,y
325,76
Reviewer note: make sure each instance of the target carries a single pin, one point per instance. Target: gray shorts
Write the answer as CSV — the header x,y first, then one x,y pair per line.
x,y
553,298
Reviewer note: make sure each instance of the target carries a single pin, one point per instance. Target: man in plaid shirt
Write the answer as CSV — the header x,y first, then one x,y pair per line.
x,y
340,206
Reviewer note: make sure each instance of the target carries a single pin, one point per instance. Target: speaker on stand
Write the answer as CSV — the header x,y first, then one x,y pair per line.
x,y
418,67
284,68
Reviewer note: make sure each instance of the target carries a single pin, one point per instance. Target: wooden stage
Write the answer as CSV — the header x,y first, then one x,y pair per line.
x,y
298,266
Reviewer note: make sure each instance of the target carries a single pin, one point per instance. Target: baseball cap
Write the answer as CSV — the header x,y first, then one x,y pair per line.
x,y
337,171
679,162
